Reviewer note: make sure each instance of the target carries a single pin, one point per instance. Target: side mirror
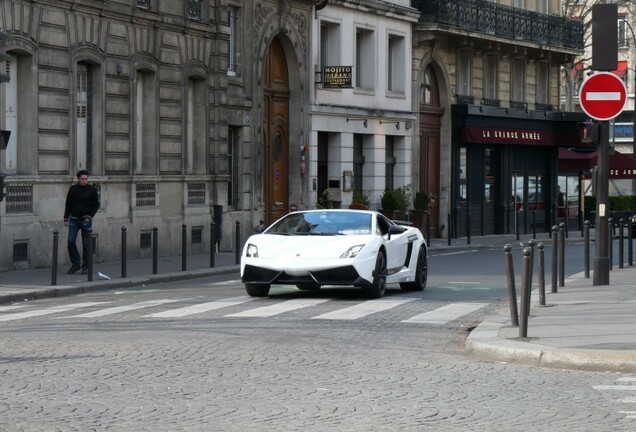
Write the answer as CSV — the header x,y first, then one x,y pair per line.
x,y
395,229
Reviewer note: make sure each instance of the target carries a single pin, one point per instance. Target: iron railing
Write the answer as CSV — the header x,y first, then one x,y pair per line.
x,y
504,21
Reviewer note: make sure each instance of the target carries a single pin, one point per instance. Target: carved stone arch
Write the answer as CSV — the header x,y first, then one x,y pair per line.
x,y
21,45
194,69
145,62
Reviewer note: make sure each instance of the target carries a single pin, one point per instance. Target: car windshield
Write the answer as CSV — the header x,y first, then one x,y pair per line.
x,y
323,223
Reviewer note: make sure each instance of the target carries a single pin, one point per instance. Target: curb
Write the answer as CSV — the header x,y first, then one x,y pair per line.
x,y
483,344
103,285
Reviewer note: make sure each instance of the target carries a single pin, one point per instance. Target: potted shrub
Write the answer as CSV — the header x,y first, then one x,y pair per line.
x,y
394,202
359,200
422,202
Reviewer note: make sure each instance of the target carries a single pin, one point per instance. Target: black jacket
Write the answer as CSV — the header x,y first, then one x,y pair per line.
x,y
81,201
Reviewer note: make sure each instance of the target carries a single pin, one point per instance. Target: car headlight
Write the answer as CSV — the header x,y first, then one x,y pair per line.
x,y
352,252
251,251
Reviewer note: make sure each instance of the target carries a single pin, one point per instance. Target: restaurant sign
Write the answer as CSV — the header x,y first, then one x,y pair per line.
x,y
501,135
336,76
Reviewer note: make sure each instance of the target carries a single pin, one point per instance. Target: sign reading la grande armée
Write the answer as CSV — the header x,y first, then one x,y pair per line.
x,y
336,76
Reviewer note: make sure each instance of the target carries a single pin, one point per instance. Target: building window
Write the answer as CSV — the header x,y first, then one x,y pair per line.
x,y
83,107
194,9
146,123
329,44
233,145
196,193
196,137
358,162
543,83
234,37
396,64
389,161
623,40
463,73
146,195
490,77
365,61
518,83
143,4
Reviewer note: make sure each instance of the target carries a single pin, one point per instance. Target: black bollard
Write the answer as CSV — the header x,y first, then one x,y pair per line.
x,y
555,255
238,243
155,249
621,239
541,269
512,291
56,234
212,244
630,246
561,254
184,241
123,252
525,292
450,232
610,240
586,248
467,227
91,248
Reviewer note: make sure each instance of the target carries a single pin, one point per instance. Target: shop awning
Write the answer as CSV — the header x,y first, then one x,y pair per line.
x,y
621,166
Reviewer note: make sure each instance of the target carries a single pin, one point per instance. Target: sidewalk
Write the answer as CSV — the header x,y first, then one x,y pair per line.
x,y
581,327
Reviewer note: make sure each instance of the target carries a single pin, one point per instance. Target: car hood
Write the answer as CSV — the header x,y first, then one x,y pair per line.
x,y
308,247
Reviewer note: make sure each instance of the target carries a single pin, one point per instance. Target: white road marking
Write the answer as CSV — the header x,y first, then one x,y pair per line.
x,y
48,311
120,309
278,308
445,314
200,308
364,309
12,307
615,387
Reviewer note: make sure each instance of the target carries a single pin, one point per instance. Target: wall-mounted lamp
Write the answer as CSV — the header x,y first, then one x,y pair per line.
x,y
363,120
407,125
397,124
119,68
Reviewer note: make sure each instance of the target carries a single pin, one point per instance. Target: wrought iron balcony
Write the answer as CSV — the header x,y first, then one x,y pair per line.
x,y
490,18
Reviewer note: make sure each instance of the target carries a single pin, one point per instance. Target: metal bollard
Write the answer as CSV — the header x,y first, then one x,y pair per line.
x,y
586,248
541,269
450,232
56,234
212,244
561,254
512,291
468,228
155,249
621,239
238,243
555,255
630,238
184,241
532,243
123,252
91,247
525,292
610,239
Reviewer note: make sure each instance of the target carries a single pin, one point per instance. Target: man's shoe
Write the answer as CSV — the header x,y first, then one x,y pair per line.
x,y
73,269
84,270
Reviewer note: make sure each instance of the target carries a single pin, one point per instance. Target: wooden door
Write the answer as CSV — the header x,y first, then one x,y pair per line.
x,y
275,134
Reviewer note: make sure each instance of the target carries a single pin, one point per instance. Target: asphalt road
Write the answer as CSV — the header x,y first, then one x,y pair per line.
x,y
199,355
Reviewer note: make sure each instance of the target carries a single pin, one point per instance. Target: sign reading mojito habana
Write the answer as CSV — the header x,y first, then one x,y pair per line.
x,y
336,76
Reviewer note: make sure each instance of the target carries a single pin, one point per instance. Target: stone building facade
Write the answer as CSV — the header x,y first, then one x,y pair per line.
x,y
164,102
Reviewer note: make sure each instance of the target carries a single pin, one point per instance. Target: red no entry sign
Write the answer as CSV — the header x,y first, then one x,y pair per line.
x,y
603,96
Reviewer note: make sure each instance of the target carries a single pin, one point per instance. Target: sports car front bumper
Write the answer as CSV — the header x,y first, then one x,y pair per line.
x,y
345,275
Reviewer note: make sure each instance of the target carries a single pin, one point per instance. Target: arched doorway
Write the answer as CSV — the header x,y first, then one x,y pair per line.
x,y
430,120
275,133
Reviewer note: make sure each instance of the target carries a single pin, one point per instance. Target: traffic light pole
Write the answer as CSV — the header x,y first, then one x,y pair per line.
x,y
601,258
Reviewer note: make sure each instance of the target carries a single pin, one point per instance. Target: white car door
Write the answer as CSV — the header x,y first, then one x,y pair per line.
x,y
396,246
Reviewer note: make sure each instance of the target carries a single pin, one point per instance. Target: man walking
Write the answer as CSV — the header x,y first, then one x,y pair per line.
x,y
82,202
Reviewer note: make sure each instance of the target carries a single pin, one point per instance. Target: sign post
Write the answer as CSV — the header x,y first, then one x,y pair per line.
x,y
602,96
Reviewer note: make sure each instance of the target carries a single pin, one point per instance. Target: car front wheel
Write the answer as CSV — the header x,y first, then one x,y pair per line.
x,y
257,290
378,287
421,274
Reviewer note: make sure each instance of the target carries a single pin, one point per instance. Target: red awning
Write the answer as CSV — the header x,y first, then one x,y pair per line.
x,y
621,166
621,71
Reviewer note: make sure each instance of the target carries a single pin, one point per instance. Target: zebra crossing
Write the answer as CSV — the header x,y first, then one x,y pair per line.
x,y
251,308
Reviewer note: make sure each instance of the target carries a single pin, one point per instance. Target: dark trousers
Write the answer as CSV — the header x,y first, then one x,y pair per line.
x,y
76,225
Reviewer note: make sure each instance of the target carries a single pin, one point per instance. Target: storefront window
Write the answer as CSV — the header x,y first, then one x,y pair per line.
x,y
489,178
462,174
